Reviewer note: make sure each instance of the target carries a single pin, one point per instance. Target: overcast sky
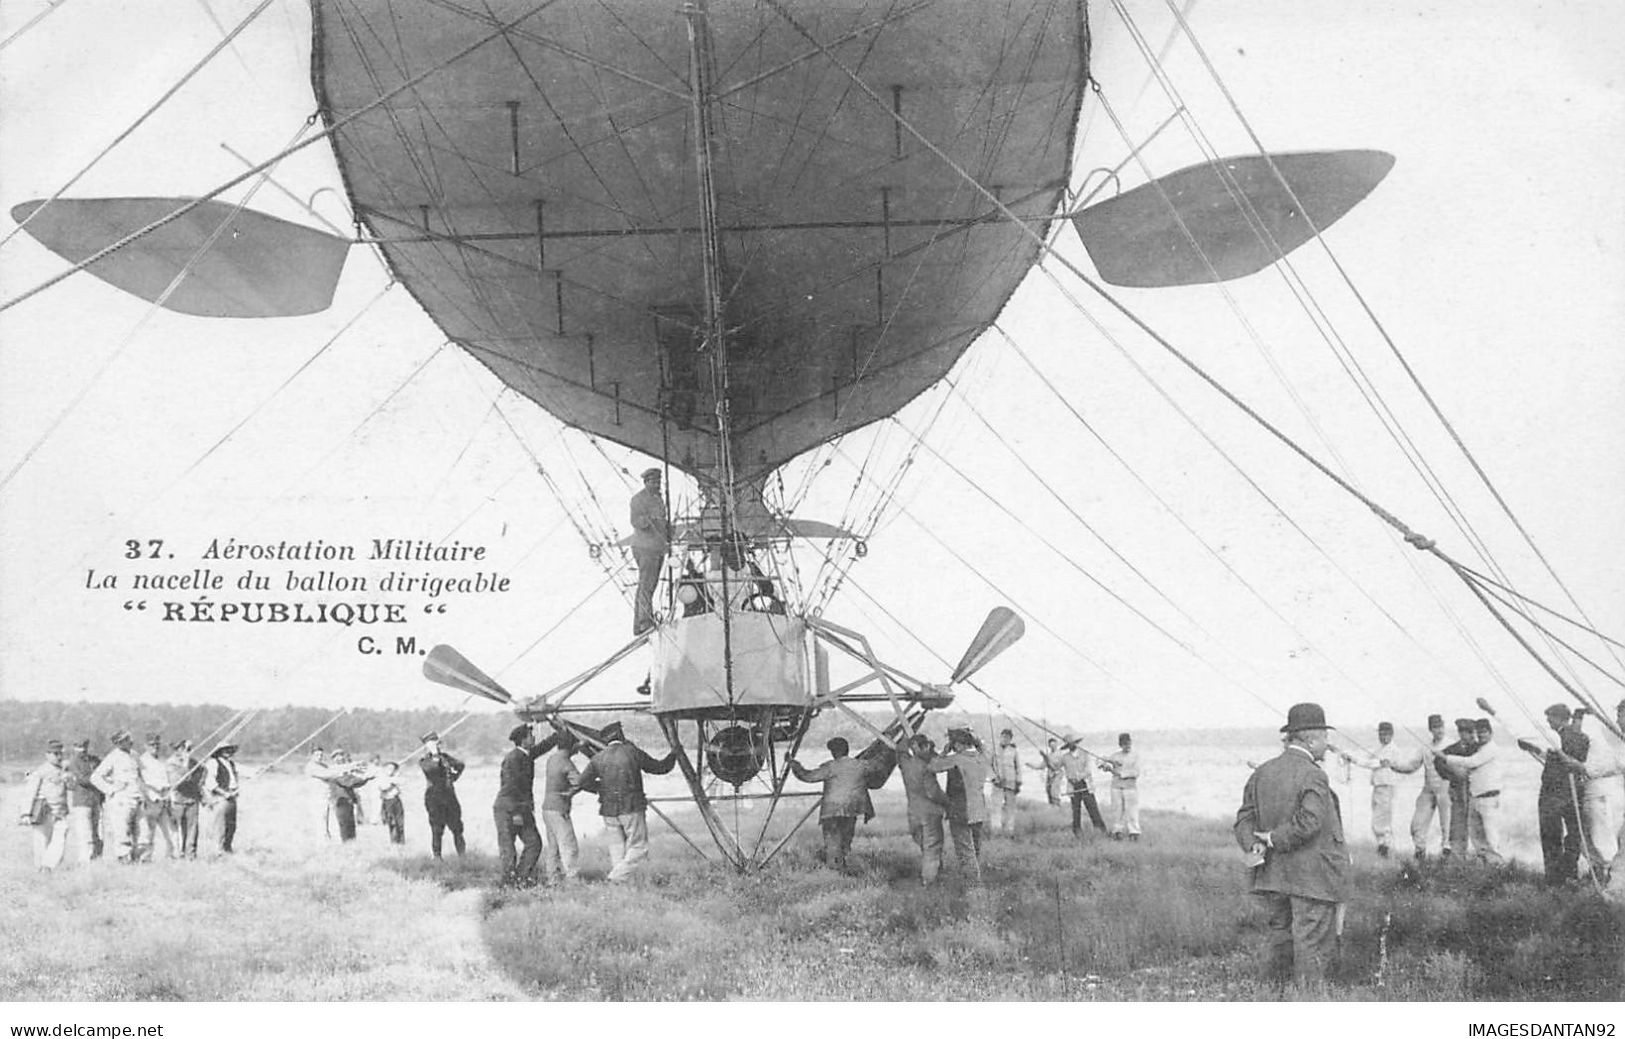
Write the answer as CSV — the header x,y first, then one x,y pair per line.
x,y
1493,255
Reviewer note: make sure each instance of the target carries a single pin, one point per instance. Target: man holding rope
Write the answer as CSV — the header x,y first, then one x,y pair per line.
x,y
1075,768
1558,809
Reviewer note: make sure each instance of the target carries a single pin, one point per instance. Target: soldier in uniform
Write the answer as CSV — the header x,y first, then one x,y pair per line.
x,y
1558,808
1125,769
650,544
155,820
1291,821
1460,842
514,809
185,794
85,802
440,772
45,808
118,778
1006,766
1434,797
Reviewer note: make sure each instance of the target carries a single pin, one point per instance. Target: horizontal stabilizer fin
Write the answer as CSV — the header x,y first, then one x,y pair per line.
x,y
257,266
1241,217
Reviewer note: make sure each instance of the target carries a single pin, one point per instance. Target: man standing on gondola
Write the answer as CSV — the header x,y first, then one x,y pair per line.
x,y
650,544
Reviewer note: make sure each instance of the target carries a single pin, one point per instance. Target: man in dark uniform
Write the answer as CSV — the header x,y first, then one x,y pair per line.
x,y
440,772
1466,742
85,802
514,809
1558,808
1292,826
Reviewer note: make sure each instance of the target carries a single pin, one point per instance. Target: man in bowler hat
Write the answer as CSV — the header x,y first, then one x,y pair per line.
x,y
1291,818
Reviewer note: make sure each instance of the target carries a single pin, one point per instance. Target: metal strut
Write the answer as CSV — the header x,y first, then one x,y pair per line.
x,y
716,341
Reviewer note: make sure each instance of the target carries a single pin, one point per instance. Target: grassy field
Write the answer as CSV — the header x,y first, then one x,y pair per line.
x,y
293,916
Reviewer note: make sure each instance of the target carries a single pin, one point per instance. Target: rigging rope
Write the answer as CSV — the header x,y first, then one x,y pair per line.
x,y
1134,319
1399,355
51,6
267,164
1312,309
194,70
129,337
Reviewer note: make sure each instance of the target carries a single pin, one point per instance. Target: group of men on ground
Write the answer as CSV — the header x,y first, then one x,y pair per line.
x,y
342,780
1580,802
968,813
1066,774
1290,823
130,802
614,772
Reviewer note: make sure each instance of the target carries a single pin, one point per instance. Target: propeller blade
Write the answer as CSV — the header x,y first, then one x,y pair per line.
x,y
1001,629
449,667
259,266
1136,241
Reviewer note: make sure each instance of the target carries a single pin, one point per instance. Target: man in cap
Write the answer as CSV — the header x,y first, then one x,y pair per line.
x,y
927,803
1385,765
846,796
650,543
440,773
1558,807
155,819
45,808
1604,836
118,778
1460,842
85,802
345,779
1075,768
1434,796
1006,765
221,784
1485,771
514,809
317,768
615,774
185,795
967,770
1290,817
560,781
1125,769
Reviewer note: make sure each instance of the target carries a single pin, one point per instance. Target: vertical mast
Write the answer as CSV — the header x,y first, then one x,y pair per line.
x,y
716,340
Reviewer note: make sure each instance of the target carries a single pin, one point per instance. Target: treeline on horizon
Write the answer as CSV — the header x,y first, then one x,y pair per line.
x,y
25,726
